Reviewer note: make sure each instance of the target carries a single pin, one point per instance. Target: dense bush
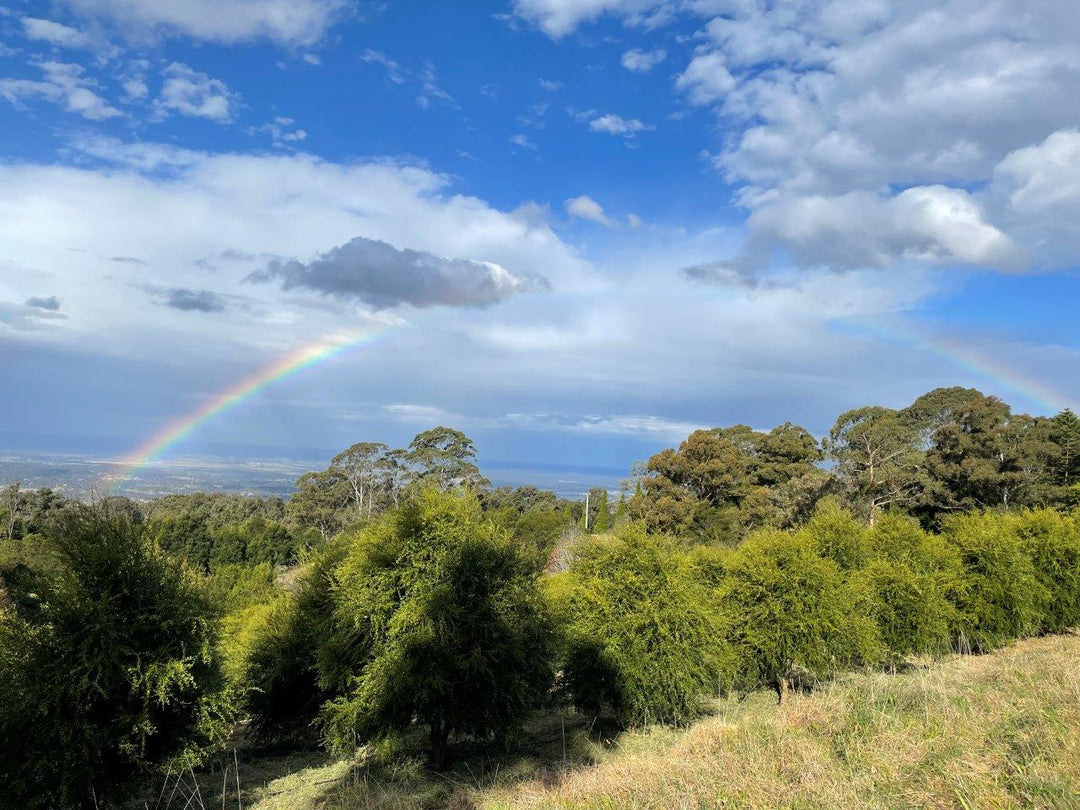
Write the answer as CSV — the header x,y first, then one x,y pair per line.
x,y
642,631
793,615
1052,540
911,581
289,668
115,673
456,630
1001,597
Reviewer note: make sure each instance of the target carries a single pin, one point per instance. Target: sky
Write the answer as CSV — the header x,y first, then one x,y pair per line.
x,y
576,230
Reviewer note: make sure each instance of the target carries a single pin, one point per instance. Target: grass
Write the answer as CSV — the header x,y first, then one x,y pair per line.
x,y
993,731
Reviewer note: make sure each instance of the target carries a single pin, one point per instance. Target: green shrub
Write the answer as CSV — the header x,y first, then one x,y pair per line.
x,y
838,535
910,582
116,673
792,614
457,633
292,665
1001,598
1052,540
643,631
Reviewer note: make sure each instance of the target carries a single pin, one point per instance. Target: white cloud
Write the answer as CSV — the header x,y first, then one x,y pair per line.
x,y
640,61
523,142
706,79
585,207
287,22
204,224
312,59
64,84
549,85
54,33
907,131
195,94
283,131
617,125
633,220
557,18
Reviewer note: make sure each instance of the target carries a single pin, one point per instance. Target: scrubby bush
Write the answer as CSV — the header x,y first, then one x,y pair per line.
x,y
1001,597
642,631
455,627
115,673
910,582
838,535
291,665
793,616
1052,540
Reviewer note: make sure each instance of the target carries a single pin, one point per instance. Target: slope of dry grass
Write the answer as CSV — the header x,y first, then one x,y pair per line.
x,y
993,731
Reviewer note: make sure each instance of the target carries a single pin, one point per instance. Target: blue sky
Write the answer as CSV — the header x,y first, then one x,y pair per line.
x,y
581,228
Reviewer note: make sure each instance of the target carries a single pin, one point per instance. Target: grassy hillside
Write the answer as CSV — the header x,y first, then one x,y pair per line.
x,y
993,731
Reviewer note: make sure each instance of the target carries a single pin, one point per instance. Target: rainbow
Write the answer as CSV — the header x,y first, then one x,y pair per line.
x,y
1050,399
325,349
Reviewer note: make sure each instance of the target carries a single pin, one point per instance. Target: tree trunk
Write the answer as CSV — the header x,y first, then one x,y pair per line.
x,y
440,736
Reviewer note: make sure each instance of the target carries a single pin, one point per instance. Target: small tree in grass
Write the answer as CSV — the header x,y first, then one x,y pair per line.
x,y
456,630
793,615
116,673
643,635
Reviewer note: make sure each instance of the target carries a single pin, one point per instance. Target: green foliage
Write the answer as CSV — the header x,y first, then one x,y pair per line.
x,y
1052,541
116,673
642,631
791,611
293,661
236,587
724,481
838,535
210,531
456,633
878,460
1001,598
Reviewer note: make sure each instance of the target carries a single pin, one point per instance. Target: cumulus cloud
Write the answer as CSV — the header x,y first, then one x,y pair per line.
x,y
54,33
612,124
706,79
894,132
64,84
585,207
187,300
557,18
286,22
639,61
188,92
383,276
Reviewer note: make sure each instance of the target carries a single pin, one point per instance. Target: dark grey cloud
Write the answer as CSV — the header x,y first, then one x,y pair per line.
x,y
384,276
127,260
193,300
52,303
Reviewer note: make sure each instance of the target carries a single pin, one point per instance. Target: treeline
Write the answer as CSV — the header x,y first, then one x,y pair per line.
x,y
953,450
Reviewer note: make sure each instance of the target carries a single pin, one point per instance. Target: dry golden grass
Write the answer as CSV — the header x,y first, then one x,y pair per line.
x,y
993,731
